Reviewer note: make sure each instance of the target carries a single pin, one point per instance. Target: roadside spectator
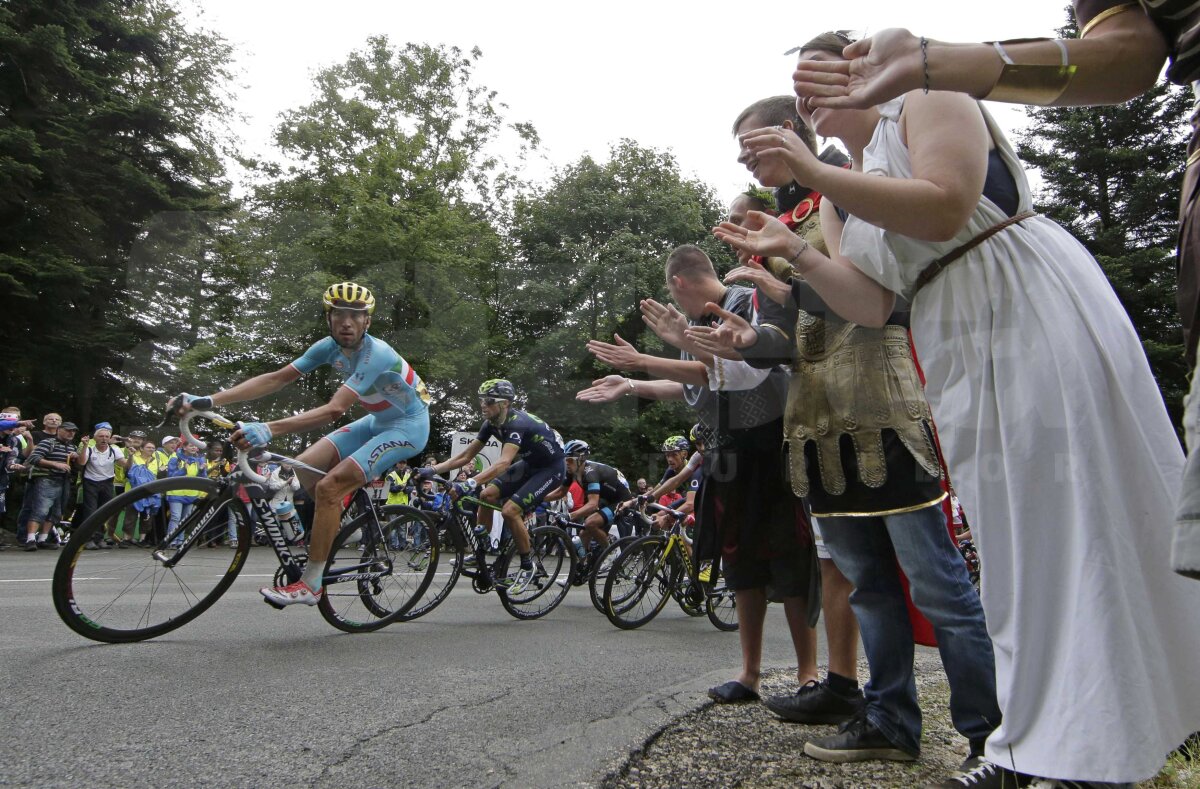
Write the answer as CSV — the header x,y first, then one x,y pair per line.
x,y
217,466
140,517
132,445
642,486
50,423
51,462
99,460
187,462
166,449
399,480
11,429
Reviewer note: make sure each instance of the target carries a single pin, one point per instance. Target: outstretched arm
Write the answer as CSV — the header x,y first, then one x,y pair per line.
x,y
258,386
611,388
1116,60
623,356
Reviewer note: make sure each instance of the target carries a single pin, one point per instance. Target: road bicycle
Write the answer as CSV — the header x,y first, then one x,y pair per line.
x,y
658,567
144,592
593,567
464,548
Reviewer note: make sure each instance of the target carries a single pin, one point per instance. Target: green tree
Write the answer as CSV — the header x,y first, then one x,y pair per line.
x,y
1112,175
110,114
592,244
393,181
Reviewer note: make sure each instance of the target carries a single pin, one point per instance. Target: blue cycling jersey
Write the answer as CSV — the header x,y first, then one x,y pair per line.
x,y
538,446
385,383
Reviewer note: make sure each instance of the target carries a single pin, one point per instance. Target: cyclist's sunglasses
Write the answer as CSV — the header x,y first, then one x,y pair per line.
x,y
489,400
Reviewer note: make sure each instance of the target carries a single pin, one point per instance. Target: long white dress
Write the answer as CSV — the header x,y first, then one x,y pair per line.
x,y
1060,449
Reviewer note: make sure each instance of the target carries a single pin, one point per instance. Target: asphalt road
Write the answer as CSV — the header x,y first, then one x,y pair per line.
x,y
249,696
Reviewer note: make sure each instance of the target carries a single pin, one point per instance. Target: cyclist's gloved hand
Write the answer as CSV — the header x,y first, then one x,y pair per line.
x,y
426,472
257,433
463,488
198,403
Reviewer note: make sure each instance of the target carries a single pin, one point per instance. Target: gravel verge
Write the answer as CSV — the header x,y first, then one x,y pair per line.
x,y
745,745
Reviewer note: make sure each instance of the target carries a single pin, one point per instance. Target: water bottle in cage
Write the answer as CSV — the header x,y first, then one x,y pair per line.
x,y
577,544
483,538
289,522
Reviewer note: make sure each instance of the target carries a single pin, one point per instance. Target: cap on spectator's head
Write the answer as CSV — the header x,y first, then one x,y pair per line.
x,y
167,439
67,426
102,426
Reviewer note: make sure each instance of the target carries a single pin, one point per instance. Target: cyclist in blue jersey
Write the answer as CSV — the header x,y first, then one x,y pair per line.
x,y
604,490
529,469
396,427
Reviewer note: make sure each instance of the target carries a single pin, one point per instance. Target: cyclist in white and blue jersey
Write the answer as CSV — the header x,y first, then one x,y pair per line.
x,y
396,427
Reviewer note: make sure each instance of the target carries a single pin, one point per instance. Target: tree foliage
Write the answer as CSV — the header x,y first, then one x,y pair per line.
x,y
109,116
1112,176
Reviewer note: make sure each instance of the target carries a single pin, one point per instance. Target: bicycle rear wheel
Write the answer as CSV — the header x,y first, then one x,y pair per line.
x,y
151,588
721,606
451,548
604,564
639,583
372,577
553,558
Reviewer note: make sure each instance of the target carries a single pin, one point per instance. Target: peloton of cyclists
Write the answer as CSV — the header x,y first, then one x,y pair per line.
x,y
529,469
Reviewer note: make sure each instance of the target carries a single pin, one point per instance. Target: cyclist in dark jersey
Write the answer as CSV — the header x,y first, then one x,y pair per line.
x,y
529,469
604,489
396,427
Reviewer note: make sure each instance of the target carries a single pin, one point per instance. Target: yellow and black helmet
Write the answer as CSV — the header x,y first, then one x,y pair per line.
x,y
348,295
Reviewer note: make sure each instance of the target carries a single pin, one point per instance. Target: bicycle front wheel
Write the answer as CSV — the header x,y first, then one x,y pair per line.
x,y
167,579
372,576
639,584
603,567
554,563
450,551
721,606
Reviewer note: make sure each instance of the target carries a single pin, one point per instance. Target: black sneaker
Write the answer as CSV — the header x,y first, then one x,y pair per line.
x,y
31,545
857,741
816,702
48,546
986,776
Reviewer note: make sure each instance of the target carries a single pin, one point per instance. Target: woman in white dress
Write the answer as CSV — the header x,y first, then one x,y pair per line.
x,y
1053,428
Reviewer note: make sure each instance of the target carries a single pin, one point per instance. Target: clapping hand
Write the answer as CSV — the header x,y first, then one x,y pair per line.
x,y
762,234
877,69
724,340
620,354
765,281
665,321
605,390
776,143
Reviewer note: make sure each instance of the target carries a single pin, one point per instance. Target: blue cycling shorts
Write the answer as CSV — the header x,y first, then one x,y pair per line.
x,y
376,446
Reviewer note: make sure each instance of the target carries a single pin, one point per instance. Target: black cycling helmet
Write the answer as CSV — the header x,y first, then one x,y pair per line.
x,y
675,444
498,389
576,448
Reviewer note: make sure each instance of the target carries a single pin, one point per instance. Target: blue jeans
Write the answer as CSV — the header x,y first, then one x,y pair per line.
x,y
866,550
179,510
47,494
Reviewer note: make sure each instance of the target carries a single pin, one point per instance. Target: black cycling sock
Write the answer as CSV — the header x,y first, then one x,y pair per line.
x,y
843,686
526,562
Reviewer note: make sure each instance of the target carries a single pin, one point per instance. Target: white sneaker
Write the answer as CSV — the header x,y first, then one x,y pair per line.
x,y
299,592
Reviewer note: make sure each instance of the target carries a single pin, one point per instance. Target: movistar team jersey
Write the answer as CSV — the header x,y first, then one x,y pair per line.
x,y
386,385
605,481
538,446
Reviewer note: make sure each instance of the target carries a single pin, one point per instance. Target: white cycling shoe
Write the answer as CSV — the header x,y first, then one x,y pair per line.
x,y
297,593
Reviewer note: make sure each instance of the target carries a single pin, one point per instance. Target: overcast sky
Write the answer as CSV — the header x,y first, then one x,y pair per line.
x,y
666,74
